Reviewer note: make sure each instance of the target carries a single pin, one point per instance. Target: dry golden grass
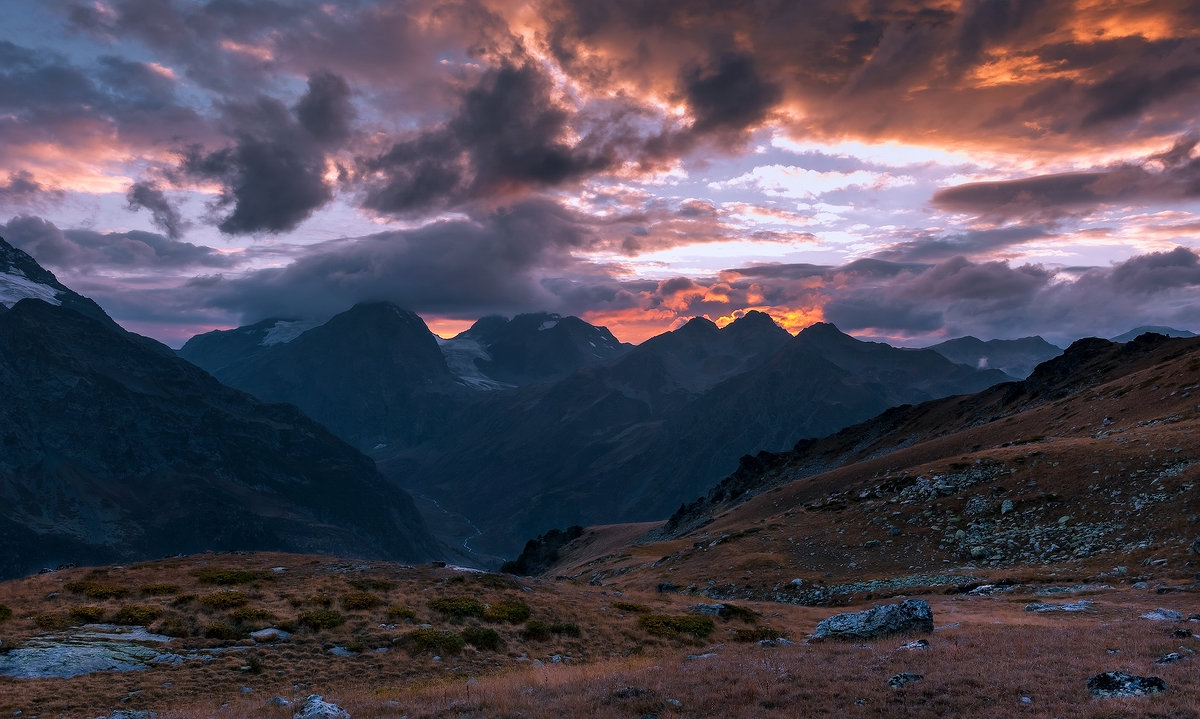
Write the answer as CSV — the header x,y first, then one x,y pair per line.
x,y
988,655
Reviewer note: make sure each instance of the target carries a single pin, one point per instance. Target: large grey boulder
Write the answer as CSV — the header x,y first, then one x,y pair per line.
x,y
909,616
315,707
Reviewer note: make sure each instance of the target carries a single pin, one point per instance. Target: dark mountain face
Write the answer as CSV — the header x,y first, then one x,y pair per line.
x,y
533,348
373,374
630,440
115,451
216,350
1013,357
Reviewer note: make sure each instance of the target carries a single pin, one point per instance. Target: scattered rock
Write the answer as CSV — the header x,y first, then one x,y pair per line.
x,y
664,587
1006,506
903,678
776,642
132,714
315,707
709,655
1170,658
713,609
1120,684
1083,605
916,645
270,635
1163,615
911,615
278,702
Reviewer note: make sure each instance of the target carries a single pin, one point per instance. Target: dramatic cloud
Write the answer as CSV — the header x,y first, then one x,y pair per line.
x,y
23,189
166,216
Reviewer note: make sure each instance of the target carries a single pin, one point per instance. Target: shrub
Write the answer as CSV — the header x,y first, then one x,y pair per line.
x,y
360,600
228,577
5,613
227,599
400,614
512,611
219,630
316,600
370,584
457,608
183,599
50,621
251,615
97,590
733,611
631,607
565,629
483,638
422,641
175,625
536,631
136,615
158,590
87,614
672,625
757,634
318,619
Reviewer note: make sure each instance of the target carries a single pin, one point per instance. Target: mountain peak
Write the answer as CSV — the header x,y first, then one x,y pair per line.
x,y
822,330
698,324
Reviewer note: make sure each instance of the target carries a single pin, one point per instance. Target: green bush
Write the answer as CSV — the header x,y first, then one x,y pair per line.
x,y
158,590
175,625
536,631
319,600
672,625
318,619
360,600
251,615
400,614
371,584
87,614
228,577
507,610
433,641
136,615
483,638
220,630
97,590
5,613
633,607
183,599
457,608
757,634
565,629
733,611
51,621
226,599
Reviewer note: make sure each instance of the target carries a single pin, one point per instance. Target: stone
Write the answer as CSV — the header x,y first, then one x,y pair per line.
x,y
903,678
315,707
1006,506
132,714
713,609
1194,548
1083,605
1120,684
916,645
1163,615
979,552
278,702
270,634
911,615
1170,658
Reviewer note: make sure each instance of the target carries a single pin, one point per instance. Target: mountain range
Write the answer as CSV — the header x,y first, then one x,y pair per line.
x,y
115,449
521,424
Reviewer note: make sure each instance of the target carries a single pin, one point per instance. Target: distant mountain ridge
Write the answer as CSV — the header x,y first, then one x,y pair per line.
x,y
1013,357
116,450
1154,329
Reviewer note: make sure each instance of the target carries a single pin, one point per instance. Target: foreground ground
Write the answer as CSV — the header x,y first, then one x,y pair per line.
x,y
374,639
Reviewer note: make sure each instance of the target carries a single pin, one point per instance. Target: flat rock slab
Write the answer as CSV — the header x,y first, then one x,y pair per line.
x,y
912,615
1083,605
92,648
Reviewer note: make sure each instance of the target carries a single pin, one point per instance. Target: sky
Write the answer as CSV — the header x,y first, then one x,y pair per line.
x,y
909,171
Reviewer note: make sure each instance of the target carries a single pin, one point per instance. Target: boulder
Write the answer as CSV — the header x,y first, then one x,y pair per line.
x,y
315,707
1163,615
269,635
1083,605
911,615
1120,684
903,678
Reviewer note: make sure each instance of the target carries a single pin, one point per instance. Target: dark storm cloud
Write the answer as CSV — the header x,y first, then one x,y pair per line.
x,y
1167,176
729,94
78,252
993,299
23,189
971,243
166,216
273,176
508,135
468,268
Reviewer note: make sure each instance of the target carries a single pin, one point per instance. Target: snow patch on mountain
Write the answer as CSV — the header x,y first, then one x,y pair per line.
x,y
461,353
283,332
548,325
15,286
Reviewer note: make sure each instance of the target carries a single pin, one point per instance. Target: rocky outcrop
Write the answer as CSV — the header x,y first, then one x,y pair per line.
x,y
1120,685
315,707
907,617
